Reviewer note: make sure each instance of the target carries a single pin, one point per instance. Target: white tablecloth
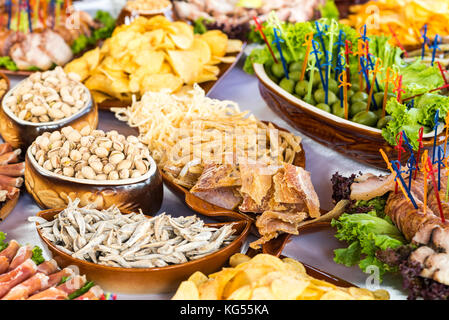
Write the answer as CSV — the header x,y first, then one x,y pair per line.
x,y
313,248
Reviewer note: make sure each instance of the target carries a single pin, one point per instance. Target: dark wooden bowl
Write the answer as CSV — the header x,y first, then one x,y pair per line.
x,y
52,190
207,86
354,140
21,134
147,280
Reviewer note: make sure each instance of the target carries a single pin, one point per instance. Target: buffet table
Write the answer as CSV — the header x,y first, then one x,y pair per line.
x,y
314,248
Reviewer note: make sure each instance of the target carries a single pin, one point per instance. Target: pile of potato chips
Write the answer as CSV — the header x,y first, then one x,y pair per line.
x,y
266,277
152,54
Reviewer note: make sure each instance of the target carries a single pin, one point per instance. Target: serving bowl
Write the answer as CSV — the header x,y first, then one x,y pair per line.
x,y
126,15
354,140
21,134
147,280
51,190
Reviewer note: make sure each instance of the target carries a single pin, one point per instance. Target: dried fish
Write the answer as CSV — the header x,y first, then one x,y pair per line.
x,y
110,238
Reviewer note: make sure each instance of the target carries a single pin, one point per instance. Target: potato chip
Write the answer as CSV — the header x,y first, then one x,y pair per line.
x,y
202,50
187,291
262,293
288,289
228,59
217,42
182,35
80,67
198,278
186,64
298,266
234,45
92,58
238,258
336,295
242,293
209,290
157,82
99,97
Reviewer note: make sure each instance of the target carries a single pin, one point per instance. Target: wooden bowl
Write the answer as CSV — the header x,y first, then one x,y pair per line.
x,y
21,134
147,280
207,86
51,190
354,140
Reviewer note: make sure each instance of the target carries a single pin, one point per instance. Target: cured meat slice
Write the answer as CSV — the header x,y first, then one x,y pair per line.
x,y
16,276
13,170
47,267
271,223
9,157
11,181
28,287
369,186
5,148
10,250
4,264
73,284
24,253
55,47
217,176
94,293
50,294
11,192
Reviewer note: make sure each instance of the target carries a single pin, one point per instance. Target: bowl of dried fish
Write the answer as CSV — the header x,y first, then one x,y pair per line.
x,y
45,102
89,165
133,253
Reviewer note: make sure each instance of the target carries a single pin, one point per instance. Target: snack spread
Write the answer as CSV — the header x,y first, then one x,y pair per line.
x,y
147,5
91,154
47,97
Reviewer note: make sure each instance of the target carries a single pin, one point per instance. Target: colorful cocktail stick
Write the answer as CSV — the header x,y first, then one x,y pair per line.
x,y
387,82
424,37
348,50
397,40
316,51
376,69
308,43
260,29
435,46
446,125
344,84
430,170
420,146
436,120
278,40
440,159
399,140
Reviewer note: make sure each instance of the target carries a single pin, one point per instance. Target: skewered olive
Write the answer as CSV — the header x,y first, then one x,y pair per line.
x,y
271,75
367,118
323,107
301,88
355,87
378,112
287,84
278,70
294,75
350,93
382,123
338,110
295,66
357,107
359,96
316,79
320,97
379,98
310,100
333,85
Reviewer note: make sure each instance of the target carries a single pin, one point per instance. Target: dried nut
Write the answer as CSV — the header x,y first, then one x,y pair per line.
x,y
141,166
75,155
64,151
113,175
116,157
88,172
136,174
124,164
47,165
101,152
55,161
74,136
93,158
108,168
66,161
85,141
55,136
97,166
68,171
101,177
85,131
124,174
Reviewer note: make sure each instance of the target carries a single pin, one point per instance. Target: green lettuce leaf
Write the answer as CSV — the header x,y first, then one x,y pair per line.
x,y
37,256
3,243
428,104
349,256
8,63
329,10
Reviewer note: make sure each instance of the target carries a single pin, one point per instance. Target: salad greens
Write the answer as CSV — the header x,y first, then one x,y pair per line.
x,y
81,291
37,256
366,233
329,10
3,243
8,63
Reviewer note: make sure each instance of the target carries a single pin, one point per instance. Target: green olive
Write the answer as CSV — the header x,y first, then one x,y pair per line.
x,y
316,79
359,96
278,70
366,118
323,107
338,110
378,112
357,107
272,76
287,84
294,75
379,98
333,85
301,88
382,123
310,100
320,97
355,87
295,66
350,93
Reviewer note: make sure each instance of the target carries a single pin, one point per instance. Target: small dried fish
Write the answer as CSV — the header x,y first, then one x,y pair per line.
x,y
110,238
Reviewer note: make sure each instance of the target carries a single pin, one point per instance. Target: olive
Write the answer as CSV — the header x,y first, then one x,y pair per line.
x,y
355,87
379,98
333,85
359,96
316,79
272,76
350,93
301,88
278,70
295,66
310,100
367,118
294,75
324,107
382,123
357,107
287,84
338,110
378,112
320,97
